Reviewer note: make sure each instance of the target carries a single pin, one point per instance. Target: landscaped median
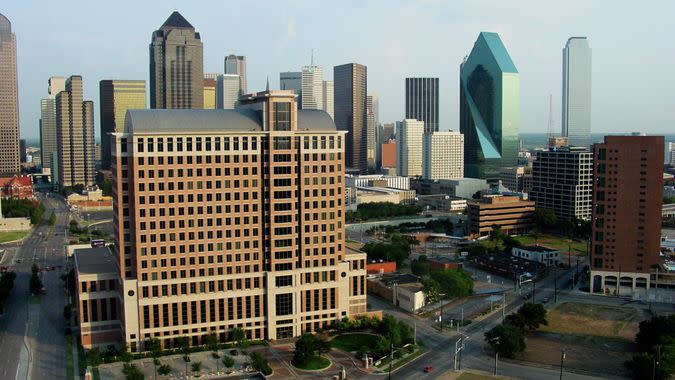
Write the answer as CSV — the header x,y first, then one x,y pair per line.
x,y
402,356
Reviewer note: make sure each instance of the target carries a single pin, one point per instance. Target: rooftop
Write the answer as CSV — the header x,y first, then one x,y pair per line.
x,y
537,248
176,20
97,260
399,279
499,52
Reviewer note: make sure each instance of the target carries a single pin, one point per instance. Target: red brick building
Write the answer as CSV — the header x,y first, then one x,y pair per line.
x,y
389,154
627,197
19,186
381,267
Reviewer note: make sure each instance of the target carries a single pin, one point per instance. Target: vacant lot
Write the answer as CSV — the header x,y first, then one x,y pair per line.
x,y
556,242
596,338
594,320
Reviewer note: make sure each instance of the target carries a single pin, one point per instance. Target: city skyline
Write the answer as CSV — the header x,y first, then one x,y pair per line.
x,y
125,55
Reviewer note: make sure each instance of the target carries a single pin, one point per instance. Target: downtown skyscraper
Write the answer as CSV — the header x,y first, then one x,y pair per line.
x,y
176,65
236,65
116,97
75,135
350,89
576,92
9,101
312,88
421,101
327,94
489,109
48,145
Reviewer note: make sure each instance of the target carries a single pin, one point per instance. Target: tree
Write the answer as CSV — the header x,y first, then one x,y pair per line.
x,y
164,370
475,250
660,330
453,282
228,361
260,363
35,282
196,368
239,336
212,343
505,339
515,320
183,344
52,219
533,315
431,290
131,372
545,217
304,350
155,347
420,267
94,357
496,234
322,346
509,243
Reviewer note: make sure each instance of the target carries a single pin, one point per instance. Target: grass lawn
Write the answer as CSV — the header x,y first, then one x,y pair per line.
x,y
353,342
594,320
69,357
12,235
557,242
316,363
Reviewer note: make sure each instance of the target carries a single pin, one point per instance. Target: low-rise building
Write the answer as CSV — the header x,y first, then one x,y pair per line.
x,y
517,179
456,187
382,194
378,180
545,255
402,290
512,214
381,267
18,186
444,263
509,266
409,297
442,202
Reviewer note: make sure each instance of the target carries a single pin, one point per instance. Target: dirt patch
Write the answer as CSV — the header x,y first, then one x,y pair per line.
x,y
594,320
589,353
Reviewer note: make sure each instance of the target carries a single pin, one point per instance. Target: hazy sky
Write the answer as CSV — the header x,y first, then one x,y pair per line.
x,y
633,54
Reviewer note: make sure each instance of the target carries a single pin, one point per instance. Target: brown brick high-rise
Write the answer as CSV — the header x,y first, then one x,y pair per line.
x,y
231,218
627,197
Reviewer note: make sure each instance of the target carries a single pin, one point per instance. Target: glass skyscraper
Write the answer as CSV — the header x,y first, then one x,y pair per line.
x,y
576,92
489,108
421,101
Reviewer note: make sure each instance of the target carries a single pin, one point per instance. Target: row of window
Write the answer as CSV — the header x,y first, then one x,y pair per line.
x,y
234,143
98,310
193,312
188,288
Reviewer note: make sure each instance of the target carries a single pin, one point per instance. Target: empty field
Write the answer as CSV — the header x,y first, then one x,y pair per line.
x,y
594,320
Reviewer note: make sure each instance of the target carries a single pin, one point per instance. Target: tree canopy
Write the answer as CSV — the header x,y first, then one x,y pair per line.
x,y
453,282
505,339
381,210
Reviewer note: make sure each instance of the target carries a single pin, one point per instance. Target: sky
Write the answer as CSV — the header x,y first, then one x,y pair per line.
x,y
633,55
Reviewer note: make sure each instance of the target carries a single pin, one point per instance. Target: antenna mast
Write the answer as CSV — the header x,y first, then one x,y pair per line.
x,y
549,132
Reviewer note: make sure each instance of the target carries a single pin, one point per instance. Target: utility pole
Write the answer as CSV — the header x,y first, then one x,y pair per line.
x,y
618,283
534,288
391,359
555,284
562,359
503,307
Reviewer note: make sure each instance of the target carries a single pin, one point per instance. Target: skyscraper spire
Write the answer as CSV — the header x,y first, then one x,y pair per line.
x,y
267,85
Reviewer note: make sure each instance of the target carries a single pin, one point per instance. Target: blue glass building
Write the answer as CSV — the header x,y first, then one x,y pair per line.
x,y
489,108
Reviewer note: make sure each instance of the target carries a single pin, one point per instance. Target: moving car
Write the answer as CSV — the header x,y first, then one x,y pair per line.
x,y
428,369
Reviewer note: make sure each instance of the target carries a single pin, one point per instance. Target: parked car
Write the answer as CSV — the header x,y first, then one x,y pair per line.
x,y
544,300
428,369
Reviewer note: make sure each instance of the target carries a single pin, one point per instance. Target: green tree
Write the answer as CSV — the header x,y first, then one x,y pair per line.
x,y
196,368
453,282
260,363
52,219
533,315
155,347
35,282
509,243
183,344
506,340
515,320
496,235
131,372
660,330
322,346
211,341
164,370
545,217
420,267
305,348
239,336
475,250
432,291
94,357
228,361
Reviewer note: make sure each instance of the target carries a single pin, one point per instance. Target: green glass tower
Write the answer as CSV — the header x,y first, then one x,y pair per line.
x,y
489,108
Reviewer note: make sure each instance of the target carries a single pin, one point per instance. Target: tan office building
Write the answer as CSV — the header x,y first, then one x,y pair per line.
x,y
48,146
231,218
512,214
75,135
209,93
176,65
116,97
9,101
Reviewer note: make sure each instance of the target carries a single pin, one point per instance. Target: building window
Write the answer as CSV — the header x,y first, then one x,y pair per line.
x,y
284,304
282,116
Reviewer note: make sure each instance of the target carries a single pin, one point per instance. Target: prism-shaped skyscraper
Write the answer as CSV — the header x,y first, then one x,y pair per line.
x,y
489,108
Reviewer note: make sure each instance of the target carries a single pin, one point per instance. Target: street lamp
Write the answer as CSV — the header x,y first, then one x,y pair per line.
x,y
496,341
562,359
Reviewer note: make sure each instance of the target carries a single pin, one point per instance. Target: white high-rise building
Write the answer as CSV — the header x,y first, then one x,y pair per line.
x,y
409,146
328,97
312,88
443,155
671,154
576,92
227,91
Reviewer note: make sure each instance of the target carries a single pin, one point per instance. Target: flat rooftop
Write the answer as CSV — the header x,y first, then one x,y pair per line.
x,y
97,260
538,248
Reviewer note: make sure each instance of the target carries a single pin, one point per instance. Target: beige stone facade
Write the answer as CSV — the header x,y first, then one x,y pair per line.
x,y
232,218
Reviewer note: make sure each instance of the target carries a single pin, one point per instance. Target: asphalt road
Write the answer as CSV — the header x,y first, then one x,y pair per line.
x,y
32,343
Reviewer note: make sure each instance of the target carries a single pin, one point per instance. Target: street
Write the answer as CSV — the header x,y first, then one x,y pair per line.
x,y
32,343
